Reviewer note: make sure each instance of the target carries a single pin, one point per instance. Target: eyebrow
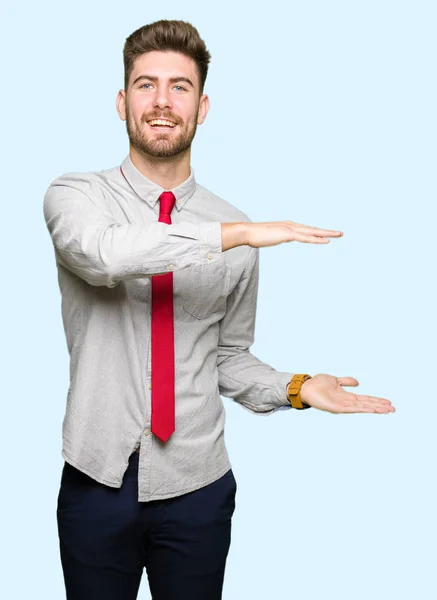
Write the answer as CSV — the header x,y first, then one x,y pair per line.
x,y
171,79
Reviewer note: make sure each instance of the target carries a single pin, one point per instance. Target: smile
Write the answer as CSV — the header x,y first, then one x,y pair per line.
x,y
161,124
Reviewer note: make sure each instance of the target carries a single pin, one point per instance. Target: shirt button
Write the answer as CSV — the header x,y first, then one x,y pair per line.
x,y
149,386
210,256
170,267
147,431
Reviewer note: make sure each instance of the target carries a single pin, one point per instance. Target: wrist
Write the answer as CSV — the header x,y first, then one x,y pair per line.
x,y
302,397
234,234
294,390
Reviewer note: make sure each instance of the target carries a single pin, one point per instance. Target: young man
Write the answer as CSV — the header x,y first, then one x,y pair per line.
x,y
159,279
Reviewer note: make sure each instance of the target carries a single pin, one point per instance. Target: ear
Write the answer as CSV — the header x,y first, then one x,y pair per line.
x,y
203,109
121,104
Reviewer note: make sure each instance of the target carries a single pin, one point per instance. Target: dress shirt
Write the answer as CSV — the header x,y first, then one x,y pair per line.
x,y
107,244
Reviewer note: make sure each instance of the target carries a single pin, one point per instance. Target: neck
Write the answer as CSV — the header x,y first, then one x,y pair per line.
x,y
166,172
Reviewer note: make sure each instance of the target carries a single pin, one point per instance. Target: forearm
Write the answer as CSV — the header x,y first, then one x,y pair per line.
x,y
242,376
93,245
251,382
106,255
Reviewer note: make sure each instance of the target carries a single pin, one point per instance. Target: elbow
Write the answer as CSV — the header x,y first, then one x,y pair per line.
x,y
258,409
101,277
95,273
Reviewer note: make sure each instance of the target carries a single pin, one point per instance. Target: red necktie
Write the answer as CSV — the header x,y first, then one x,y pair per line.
x,y
163,370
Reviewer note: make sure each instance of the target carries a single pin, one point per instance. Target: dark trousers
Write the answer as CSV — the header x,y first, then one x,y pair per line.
x,y
107,538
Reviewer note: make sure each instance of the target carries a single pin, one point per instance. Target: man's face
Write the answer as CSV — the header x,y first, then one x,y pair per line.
x,y
162,85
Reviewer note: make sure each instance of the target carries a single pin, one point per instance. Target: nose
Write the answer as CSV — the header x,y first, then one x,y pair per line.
x,y
162,98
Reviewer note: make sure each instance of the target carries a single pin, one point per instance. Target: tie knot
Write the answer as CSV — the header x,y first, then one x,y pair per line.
x,y
166,203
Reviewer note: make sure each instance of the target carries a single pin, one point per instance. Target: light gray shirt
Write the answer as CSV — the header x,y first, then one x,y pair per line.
x,y
108,244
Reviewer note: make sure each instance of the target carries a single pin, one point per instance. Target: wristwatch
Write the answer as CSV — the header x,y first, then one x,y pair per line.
x,y
293,391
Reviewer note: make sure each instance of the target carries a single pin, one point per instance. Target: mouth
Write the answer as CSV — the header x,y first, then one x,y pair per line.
x,y
161,124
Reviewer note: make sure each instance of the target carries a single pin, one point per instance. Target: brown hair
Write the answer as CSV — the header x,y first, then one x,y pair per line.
x,y
165,35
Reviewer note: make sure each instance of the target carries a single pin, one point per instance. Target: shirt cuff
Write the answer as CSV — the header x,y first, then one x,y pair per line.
x,y
210,241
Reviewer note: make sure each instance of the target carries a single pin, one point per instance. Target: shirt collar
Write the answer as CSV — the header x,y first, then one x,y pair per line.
x,y
150,191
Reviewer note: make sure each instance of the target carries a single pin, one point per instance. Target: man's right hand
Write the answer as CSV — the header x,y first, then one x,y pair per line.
x,y
259,235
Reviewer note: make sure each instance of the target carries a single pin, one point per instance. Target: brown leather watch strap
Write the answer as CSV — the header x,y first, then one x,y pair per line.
x,y
293,390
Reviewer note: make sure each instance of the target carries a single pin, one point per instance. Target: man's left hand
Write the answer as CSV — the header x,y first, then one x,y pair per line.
x,y
325,392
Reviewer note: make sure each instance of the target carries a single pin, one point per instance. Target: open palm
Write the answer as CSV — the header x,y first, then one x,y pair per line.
x,y
325,392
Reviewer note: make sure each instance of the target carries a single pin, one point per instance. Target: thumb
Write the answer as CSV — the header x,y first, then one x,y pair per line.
x,y
348,381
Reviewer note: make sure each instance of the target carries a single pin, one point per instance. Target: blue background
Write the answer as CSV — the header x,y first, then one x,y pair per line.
x,y
322,113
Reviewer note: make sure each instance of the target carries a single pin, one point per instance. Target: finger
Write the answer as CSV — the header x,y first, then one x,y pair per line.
x,y
363,398
360,398
314,230
308,239
375,407
361,408
382,404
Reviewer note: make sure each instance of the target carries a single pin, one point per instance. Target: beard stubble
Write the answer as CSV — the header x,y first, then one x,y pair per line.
x,y
163,145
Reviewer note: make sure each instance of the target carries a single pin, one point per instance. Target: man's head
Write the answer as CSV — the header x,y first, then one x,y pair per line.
x,y
166,64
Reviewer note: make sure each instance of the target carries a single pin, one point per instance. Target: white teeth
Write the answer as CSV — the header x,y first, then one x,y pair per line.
x,y
161,122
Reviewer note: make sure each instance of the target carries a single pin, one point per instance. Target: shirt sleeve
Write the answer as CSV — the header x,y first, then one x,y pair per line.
x,y
242,376
92,244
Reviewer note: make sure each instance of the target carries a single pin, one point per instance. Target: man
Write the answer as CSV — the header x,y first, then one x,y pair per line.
x,y
159,280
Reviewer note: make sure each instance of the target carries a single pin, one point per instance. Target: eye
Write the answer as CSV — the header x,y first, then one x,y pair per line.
x,y
176,86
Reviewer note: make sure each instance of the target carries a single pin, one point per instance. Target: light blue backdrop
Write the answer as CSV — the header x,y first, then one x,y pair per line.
x,y
322,113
